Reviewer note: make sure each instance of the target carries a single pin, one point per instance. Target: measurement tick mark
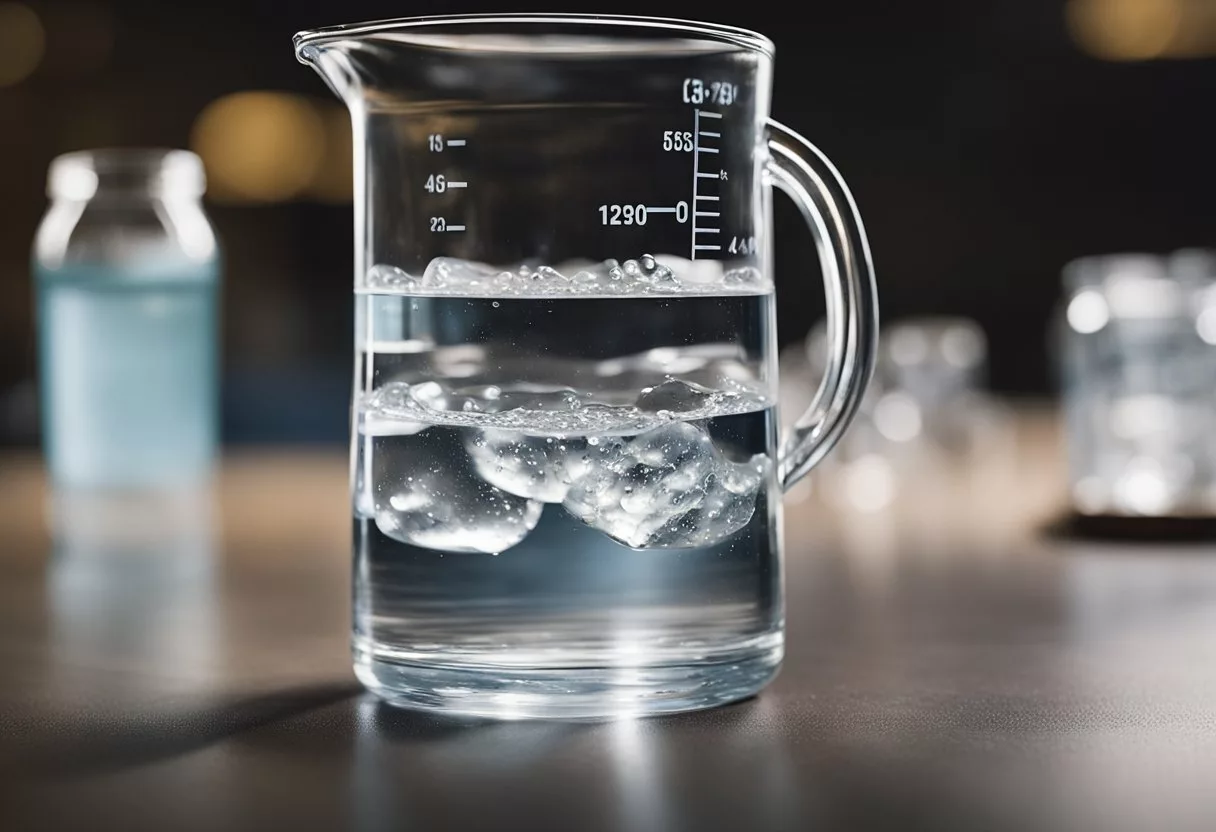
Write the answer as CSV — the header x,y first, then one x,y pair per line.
x,y
458,184
696,175
455,228
456,142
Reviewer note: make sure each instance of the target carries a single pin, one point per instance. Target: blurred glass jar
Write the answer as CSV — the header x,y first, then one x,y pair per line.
x,y
127,280
1136,349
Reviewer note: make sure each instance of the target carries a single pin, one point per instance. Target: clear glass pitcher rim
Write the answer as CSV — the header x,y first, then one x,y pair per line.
x,y
721,33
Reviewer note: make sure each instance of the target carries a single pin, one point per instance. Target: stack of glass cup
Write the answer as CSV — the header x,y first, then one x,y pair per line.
x,y
1136,350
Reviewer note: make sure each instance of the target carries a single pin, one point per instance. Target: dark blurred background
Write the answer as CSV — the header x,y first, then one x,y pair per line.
x,y
987,142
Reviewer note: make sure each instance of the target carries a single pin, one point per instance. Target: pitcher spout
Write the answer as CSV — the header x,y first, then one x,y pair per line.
x,y
334,59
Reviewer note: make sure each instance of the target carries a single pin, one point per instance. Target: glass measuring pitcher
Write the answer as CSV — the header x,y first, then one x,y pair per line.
x,y
566,482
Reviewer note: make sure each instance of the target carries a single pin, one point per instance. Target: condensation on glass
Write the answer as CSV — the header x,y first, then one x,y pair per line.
x,y
565,471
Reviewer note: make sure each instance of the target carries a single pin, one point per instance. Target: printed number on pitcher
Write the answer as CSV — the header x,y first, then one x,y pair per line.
x,y
677,140
623,214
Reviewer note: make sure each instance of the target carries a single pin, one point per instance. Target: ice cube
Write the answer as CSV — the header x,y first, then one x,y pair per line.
x,y
664,279
647,274
374,425
434,501
551,277
695,275
388,411
729,503
383,277
401,405
456,274
743,277
559,400
668,488
674,396
536,467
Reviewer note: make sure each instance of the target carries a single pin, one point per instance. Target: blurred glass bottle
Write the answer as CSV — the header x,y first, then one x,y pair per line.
x,y
1135,350
127,281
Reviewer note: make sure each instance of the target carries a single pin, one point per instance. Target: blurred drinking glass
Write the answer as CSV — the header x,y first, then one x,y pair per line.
x,y
926,421
126,274
1137,354
934,370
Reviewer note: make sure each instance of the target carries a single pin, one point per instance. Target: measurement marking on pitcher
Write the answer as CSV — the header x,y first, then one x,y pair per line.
x,y
439,183
700,147
436,143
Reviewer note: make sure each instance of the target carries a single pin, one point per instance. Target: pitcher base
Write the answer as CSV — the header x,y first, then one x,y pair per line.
x,y
570,693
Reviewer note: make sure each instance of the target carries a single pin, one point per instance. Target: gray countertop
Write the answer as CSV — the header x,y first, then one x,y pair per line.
x,y
948,667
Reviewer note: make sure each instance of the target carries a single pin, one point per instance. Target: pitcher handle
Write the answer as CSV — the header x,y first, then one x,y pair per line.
x,y
798,168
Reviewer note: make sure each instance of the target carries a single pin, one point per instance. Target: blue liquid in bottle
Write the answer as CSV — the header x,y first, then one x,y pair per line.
x,y
129,371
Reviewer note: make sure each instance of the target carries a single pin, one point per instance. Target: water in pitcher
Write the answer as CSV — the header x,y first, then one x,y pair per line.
x,y
564,469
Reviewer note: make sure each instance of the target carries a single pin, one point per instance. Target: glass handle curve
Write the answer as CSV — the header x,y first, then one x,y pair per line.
x,y
800,169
